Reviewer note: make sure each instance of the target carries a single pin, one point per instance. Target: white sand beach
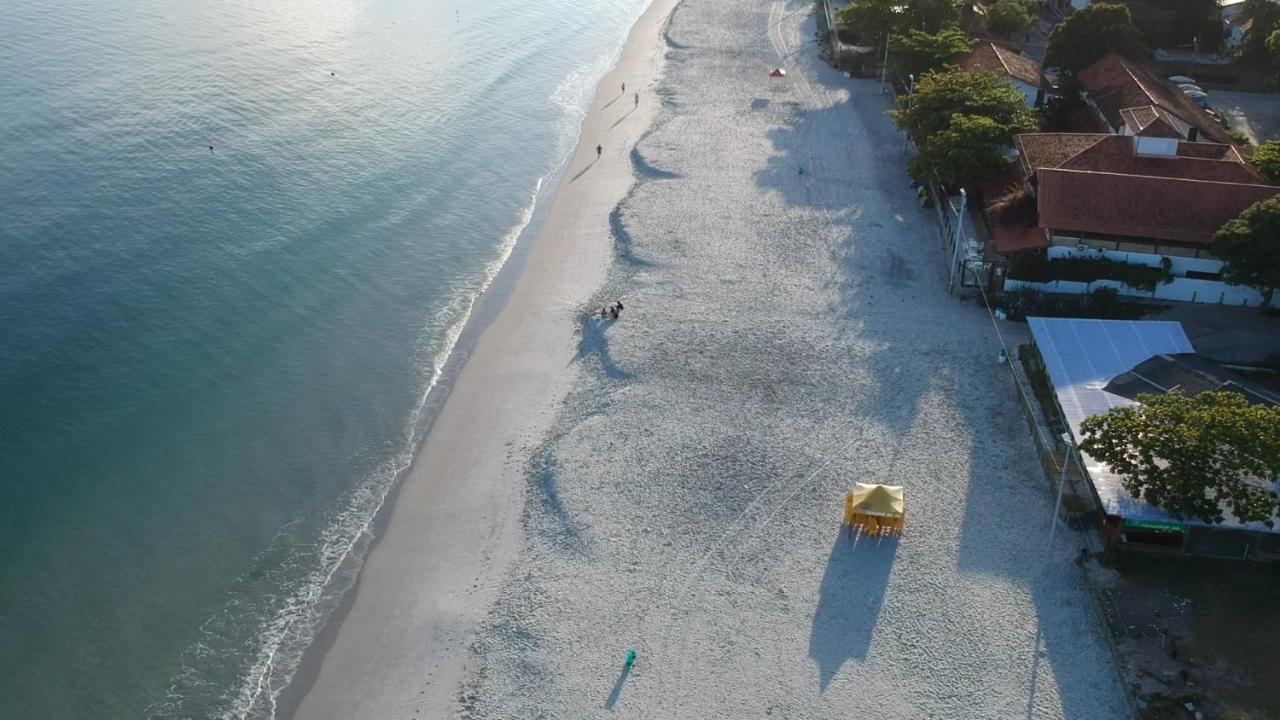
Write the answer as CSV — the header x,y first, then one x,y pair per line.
x,y
786,334
672,481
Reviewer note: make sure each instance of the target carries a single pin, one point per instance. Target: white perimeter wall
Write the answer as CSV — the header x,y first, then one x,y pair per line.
x,y
1181,289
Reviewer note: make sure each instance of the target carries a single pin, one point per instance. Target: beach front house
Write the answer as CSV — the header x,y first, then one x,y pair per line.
x,y
1131,200
1021,72
1128,100
1096,365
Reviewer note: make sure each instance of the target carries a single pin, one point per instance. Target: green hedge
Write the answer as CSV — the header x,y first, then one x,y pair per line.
x,y
1038,267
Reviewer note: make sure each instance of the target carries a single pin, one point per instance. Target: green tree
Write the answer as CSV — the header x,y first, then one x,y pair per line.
x,y
872,20
1155,21
1265,17
916,53
1193,456
1178,23
1266,157
1273,50
929,15
940,96
1198,22
1088,34
1249,245
1008,16
971,148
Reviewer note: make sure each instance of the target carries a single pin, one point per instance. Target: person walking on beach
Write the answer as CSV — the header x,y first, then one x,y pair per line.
x,y
624,88
637,99
599,150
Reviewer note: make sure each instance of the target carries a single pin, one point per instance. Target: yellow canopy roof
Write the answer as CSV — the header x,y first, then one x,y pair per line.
x,y
882,500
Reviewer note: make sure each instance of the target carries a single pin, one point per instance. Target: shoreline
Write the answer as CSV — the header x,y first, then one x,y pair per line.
x,y
789,332
400,636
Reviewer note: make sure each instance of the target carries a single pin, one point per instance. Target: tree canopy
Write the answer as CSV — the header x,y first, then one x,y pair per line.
x,y
1193,456
1088,34
1266,157
972,147
941,96
916,53
1005,17
872,20
1249,245
1265,17
1178,23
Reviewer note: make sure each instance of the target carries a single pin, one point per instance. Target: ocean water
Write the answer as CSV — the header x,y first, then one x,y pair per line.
x,y
213,361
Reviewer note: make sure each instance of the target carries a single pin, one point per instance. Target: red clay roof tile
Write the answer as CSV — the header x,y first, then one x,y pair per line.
x,y
988,56
1164,208
1117,84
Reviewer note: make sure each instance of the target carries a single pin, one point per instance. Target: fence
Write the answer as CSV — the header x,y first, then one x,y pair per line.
x,y
1212,292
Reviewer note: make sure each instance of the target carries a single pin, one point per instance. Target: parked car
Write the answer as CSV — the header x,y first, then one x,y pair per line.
x,y
1201,99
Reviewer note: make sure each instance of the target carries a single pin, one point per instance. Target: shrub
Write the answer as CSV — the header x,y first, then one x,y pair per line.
x,y
1037,267
1015,206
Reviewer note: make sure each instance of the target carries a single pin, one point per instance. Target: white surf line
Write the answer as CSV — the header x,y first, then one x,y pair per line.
x,y
261,673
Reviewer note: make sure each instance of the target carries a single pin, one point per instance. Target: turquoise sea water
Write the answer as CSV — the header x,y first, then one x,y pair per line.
x,y
212,362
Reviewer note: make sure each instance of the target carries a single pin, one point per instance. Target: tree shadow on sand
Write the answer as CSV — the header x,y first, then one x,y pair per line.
x,y
849,601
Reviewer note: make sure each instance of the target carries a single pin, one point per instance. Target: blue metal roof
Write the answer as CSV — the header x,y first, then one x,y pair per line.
x,y
1081,357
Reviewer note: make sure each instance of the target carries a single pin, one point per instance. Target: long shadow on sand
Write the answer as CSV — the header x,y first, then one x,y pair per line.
x,y
594,341
617,687
891,301
544,477
849,602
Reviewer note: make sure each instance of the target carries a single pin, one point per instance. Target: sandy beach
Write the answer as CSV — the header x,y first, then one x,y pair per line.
x,y
402,642
671,481
787,333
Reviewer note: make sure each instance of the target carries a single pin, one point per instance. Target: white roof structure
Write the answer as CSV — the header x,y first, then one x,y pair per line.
x,y
1081,357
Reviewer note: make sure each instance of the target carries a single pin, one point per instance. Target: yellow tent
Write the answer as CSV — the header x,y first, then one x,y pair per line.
x,y
875,509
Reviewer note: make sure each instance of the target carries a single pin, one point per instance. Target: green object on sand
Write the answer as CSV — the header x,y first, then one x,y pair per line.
x,y
801,169
631,657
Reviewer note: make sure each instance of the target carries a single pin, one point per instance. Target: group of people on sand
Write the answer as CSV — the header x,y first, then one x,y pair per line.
x,y
611,311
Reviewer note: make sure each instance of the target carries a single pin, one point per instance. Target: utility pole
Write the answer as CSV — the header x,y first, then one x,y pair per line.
x,y
884,66
959,233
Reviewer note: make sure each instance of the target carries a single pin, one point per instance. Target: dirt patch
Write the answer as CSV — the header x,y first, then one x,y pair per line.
x,y
1194,631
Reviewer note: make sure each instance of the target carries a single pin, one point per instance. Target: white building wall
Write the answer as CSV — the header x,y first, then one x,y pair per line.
x,y
1211,292
1028,92
1180,289
1179,265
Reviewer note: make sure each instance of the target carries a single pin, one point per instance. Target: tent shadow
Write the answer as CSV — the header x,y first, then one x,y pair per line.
x,y
849,601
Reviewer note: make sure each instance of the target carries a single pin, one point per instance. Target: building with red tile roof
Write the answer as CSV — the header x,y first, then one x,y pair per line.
x,y
1132,101
1022,72
1141,194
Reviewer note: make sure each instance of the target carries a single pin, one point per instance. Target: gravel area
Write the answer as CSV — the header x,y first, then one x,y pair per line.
x,y
786,333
